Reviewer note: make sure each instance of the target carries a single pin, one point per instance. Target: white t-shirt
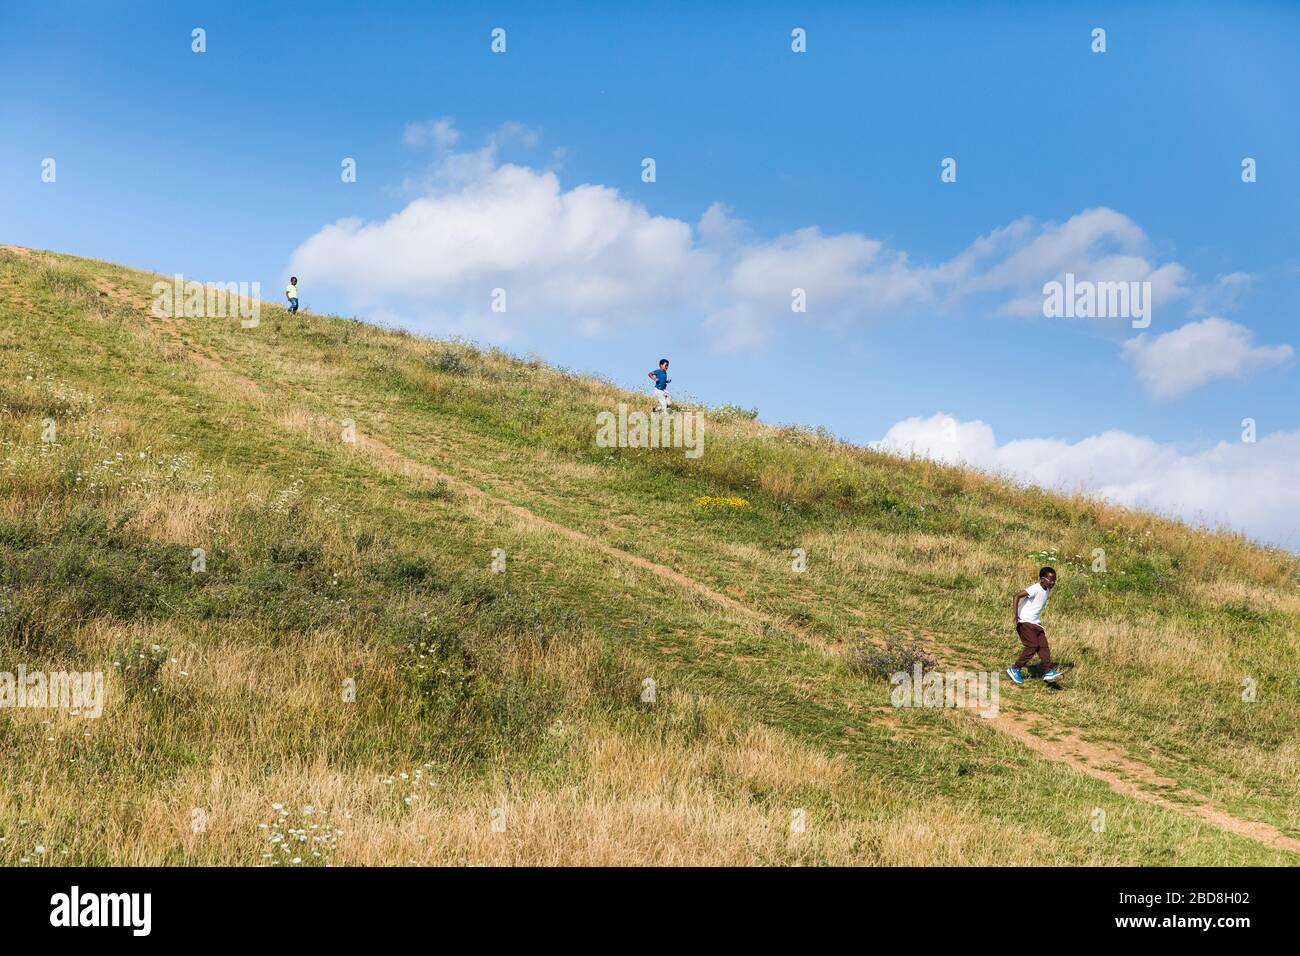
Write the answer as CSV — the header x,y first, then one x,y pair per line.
x,y
1032,606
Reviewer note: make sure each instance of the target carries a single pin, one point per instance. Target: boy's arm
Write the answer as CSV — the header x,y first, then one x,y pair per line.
x,y
1015,607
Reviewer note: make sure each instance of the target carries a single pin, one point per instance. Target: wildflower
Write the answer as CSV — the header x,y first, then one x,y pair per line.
x,y
710,501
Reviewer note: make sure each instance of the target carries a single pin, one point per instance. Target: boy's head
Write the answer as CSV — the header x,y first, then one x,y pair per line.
x,y
663,364
293,280
1047,577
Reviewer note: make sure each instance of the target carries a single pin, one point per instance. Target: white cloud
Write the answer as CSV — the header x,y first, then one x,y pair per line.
x,y
1224,294
582,253
584,258
453,170
1200,352
440,133
1203,486
589,256
1095,245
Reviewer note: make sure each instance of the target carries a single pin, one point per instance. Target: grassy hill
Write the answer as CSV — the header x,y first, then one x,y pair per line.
x,y
350,677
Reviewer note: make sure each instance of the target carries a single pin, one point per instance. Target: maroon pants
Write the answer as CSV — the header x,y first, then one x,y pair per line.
x,y
1035,640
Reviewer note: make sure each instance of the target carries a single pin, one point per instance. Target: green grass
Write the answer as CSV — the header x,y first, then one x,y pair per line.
x,y
328,563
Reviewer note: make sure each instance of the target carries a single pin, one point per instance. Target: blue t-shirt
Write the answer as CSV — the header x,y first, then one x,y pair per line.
x,y
661,378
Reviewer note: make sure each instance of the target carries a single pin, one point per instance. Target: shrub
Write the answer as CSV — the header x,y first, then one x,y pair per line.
x,y
406,571
447,362
899,653
295,554
438,491
138,664
439,675
735,411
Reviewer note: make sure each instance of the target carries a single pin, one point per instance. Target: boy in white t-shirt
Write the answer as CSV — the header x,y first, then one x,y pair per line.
x,y
1027,609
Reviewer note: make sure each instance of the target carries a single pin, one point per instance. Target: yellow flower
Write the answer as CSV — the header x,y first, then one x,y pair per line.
x,y
709,501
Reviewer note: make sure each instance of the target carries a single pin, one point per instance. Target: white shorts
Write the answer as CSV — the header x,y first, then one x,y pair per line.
x,y
664,398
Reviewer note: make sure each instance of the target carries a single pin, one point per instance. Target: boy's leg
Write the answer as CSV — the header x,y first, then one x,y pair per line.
x,y
664,399
1029,638
1044,652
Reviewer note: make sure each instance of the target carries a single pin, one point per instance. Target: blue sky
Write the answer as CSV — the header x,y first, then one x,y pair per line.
x,y
821,168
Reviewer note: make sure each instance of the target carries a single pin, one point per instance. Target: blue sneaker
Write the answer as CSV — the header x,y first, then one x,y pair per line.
x,y
1014,674
1052,675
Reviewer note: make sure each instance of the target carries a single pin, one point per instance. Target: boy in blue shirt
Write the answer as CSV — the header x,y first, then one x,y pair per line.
x,y
661,380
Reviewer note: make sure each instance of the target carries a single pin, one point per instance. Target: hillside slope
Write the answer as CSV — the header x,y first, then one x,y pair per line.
x,y
348,676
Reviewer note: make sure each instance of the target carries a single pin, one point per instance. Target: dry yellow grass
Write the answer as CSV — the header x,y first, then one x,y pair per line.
x,y
248,712
633,800
183,518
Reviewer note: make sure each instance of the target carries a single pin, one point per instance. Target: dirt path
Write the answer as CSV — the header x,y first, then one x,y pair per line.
x,y
1109,764
1104,762
1129,778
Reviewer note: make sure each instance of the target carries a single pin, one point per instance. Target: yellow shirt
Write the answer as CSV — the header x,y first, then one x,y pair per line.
x,y
292,291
